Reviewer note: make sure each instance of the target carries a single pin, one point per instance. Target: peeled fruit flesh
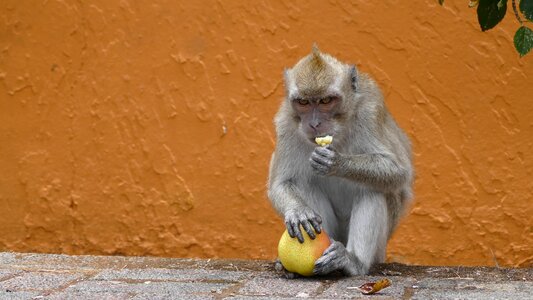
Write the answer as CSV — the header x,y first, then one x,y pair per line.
x,y
299,257
324,141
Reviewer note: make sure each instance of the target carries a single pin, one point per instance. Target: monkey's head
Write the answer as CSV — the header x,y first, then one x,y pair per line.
x,y
319,91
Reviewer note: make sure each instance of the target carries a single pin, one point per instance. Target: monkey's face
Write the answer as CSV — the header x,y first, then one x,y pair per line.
x,y
317,116
316,87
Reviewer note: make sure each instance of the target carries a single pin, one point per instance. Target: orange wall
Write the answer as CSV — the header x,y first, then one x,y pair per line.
x,y
145,127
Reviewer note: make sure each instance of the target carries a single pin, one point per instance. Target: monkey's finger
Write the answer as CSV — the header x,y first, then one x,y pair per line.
x,y
290,229
330,260
325,151
333,247
319,168
308,229
293,227
331,148
326,161
317,162
299,235
324,265
317,154
316,224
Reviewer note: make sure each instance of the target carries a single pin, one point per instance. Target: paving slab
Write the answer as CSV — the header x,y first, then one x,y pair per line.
x,y
459,288
106,295
171,274
51,276
167,289
280,287
38,281
6,274
15,295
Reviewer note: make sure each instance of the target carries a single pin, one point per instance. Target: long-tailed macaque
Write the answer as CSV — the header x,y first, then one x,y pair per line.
x,y
357,187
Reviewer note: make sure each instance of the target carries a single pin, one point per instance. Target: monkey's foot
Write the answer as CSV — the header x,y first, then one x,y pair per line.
x,y
334,258
279,267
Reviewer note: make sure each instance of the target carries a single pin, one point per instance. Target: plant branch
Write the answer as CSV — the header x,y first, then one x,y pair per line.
x,y
516,13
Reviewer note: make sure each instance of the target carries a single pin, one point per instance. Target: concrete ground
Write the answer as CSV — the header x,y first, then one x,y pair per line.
x,y
44,276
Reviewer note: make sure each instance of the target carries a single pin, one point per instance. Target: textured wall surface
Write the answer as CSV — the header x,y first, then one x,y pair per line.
x,y
145,127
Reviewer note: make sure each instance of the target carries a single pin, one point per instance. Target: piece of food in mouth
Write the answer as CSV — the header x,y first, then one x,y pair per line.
x,y
324,140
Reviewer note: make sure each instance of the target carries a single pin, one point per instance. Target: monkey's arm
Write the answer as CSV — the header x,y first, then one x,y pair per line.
x,y
382,170
286,199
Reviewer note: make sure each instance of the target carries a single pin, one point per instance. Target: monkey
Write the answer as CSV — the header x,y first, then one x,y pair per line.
x,y
358,187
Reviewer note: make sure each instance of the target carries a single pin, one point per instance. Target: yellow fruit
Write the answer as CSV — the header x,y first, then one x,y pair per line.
x,y
324,141
300,258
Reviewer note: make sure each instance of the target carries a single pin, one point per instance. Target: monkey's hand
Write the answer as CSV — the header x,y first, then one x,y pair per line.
x,y
334,258
324,160
304,217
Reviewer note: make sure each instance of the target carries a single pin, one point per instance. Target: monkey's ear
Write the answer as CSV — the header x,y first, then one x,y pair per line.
x,y
354,78
289,83
286,77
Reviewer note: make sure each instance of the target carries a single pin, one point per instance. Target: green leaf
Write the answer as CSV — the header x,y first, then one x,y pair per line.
x,y
490,13
523,40
441,2
526,7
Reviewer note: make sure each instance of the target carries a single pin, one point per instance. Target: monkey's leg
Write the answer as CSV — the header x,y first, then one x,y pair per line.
x,y
367,239
319,203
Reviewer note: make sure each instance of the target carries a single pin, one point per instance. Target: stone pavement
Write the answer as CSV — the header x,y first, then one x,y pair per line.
x,y
45,276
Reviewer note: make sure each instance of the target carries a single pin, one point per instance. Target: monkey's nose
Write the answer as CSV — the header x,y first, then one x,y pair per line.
x,y
314,124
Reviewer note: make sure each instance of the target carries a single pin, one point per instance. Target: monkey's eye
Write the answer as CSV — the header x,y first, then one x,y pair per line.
x,y
326,100
302,101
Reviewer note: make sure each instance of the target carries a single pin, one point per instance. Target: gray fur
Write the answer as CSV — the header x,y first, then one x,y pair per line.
x,y
358,187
